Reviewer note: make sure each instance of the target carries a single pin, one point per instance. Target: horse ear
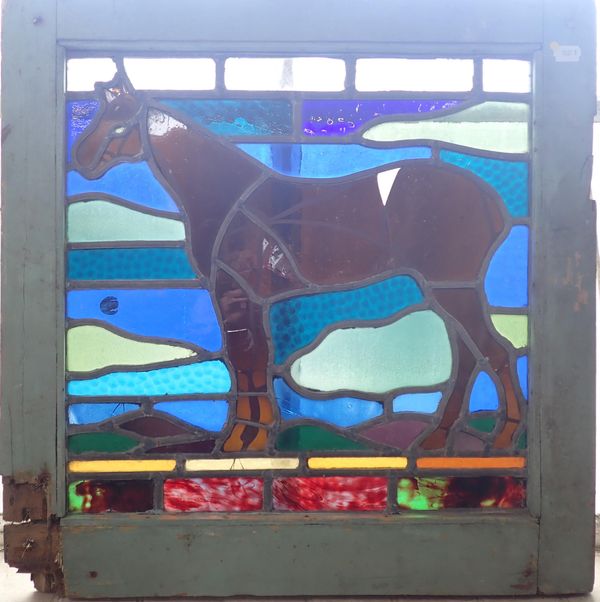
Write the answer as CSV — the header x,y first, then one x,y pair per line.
x,y
109,94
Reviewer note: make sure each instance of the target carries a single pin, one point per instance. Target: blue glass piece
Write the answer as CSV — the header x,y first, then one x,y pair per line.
x,y
296,322
341,411
209,414
79,115
510,179
133,182
507,276
186,315
130,264
484,395
423,403
88,413
238,117
523,374
190,379
329,160
343,117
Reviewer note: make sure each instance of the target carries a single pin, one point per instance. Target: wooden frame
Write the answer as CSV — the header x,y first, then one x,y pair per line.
x,y
547,549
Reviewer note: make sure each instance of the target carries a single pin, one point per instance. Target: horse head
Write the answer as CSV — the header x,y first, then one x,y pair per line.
x,y
115,134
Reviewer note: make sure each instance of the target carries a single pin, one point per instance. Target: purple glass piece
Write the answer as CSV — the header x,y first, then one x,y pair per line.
x,y
399,434
342,117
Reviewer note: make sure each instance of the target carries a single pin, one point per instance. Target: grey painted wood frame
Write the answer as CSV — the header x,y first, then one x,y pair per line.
x,y
549,547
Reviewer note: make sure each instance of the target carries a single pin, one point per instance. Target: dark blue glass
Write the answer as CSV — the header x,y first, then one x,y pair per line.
x,y
80,114
484,395
523,373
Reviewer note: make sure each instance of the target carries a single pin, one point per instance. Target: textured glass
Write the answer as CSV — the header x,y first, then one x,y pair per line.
x,y
89,413
484,395
510,179
237,117
133,182
362,463
208,414
460,492
514,327
398,434
294,73
296,322
242,464
343,117
492,126
107,466
130,264
506,75
111,496
182,314
425,403
204,377
330,493
419,75
506,281
93,347
98,221
213,494
100,442
328,160
82,74
341,411
171,73
413,351
80,114
312,438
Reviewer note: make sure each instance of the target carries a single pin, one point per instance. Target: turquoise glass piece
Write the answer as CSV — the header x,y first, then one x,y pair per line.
x,y
329,160
89,413
484,395
237,117
132,182
130,264
80,114
506,281
423,403
209,414
413,351
297,322
184,314
190,379
341,411
510,179
523,374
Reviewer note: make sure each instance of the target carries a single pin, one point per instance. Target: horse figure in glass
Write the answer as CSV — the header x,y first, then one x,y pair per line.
x,y
259,236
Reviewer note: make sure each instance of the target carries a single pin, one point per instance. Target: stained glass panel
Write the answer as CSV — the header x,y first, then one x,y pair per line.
x,y
290,302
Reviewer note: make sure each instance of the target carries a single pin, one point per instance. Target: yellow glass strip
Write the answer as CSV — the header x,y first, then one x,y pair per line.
x,y
513,462
331,463
122,465
243,464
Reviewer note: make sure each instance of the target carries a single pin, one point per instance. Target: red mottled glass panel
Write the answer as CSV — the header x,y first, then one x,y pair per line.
x,y
111,496
330,493
213,495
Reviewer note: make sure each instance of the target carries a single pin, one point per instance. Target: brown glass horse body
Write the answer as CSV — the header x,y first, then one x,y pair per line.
x,y
255,234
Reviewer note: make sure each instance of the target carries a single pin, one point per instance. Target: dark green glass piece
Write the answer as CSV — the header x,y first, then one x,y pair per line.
x,y
485,425
100,442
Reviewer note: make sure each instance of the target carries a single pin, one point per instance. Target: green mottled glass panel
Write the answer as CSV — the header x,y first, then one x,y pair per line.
x,y
93,347
96,221
413,351
513,327
314,438
485,425
493,126
100,442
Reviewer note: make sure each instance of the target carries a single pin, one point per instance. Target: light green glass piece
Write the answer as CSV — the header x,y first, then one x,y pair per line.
x,y
411,352
494,126
512,327
93,347
97,221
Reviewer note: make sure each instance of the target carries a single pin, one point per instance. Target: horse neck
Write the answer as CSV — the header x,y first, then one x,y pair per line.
x,y
208,176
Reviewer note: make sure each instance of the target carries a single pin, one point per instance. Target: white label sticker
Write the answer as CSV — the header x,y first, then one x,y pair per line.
x,y
565,54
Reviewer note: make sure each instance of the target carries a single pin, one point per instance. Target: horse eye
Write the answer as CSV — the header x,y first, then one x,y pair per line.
x,y
119,130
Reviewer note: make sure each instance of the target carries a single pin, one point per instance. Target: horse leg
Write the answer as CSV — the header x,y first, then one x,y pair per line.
x,y
248,352
466,307
466,364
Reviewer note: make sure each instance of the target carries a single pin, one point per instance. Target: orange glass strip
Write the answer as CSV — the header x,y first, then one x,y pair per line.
x,y
473,463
